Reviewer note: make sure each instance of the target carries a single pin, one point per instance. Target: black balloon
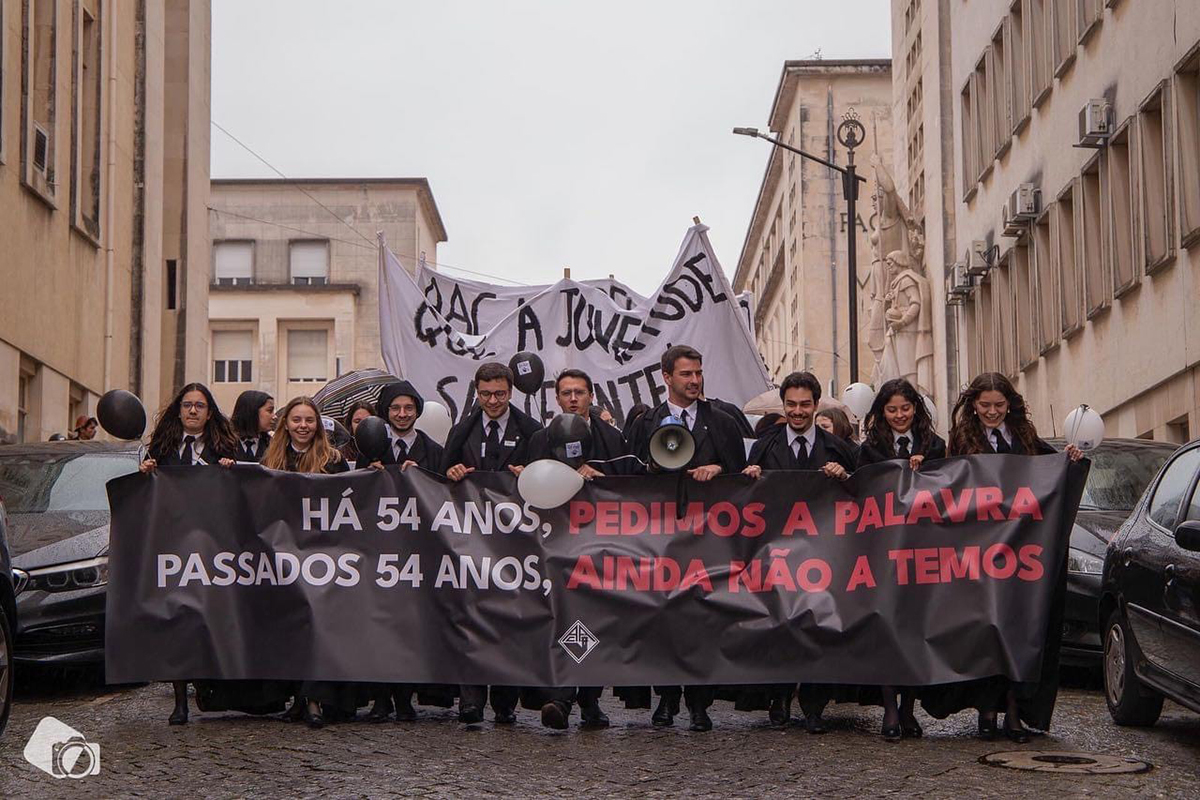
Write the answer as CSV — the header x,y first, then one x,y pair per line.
x,y
371,438
570,439
121,414
528,371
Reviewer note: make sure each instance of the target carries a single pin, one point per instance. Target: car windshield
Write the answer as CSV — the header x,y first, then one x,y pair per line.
x,y
36,484
1119,477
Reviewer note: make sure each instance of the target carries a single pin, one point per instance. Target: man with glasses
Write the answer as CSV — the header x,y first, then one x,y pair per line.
x,y
493,437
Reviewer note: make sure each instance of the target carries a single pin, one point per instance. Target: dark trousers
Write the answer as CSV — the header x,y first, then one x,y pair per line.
x,y
586,696
698,698
504,698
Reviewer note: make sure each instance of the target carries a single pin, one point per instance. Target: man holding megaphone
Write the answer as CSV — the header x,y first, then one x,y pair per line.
x,y
713,448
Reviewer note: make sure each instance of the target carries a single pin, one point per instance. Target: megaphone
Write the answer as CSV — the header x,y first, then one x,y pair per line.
x,y
672,445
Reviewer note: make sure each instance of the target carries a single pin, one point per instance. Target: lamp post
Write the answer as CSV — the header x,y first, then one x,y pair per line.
x,y
851,134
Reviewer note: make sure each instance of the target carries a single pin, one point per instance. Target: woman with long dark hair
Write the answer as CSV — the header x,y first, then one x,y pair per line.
x,y
300,444
355,414
253,420
991,417
898,426
835,421
190,431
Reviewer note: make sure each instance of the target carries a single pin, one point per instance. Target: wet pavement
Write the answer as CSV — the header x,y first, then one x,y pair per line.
x,y
231,755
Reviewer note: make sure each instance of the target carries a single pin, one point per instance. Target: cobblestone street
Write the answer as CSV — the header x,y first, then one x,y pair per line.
x,y
219,755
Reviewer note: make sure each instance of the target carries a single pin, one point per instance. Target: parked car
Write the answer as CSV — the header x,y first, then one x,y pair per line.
x,y
8,619
58,519
1150,598
1121,470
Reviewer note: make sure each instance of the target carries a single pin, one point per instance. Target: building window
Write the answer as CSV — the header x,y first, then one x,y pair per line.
x,y
1157,210
1017,62
85,164
233,356
1187,111
1088,14
233,263
969,138
1037,32
308,356
1093,185
985,113
1063,232
985,314
1122,210
1065,34
1002,297
76,407
1045,276
172,284
1022,278
27,373
1002,106
38,145
309,262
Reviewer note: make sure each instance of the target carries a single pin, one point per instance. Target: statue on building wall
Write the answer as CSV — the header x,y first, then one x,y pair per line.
x,y
908,343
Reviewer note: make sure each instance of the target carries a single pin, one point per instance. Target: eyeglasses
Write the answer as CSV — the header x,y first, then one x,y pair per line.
x,y
573,393
499,394
190,406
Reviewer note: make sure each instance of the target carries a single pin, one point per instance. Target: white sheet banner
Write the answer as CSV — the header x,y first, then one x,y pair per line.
x,y
436,331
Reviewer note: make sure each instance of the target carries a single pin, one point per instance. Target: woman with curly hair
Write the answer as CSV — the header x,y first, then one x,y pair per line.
x,y
991,417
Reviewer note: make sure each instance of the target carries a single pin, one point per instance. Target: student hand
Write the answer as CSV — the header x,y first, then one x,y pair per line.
x,y
754,471
227,462
705,473
915,462
588,472
458,472
375,465
148,466
1073,452
515,470
835,470
407,464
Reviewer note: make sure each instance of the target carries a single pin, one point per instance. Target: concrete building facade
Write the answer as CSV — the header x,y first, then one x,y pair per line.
x,y
104,165
794,259
1088,278
295,273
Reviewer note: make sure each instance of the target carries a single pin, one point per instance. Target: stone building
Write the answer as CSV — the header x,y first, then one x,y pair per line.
x,y
295,274
104,167
794,259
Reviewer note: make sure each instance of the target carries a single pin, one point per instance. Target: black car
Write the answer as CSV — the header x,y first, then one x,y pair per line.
x,y
1120,472
1150,598
58,520
8,618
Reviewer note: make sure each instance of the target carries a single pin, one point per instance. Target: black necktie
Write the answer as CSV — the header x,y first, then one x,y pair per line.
x,y
683,416
902,450
492,445
401,451
189,455
1001,445
801,451
251,446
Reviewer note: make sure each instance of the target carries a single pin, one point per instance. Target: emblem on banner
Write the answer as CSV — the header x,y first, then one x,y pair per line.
x,y
578,641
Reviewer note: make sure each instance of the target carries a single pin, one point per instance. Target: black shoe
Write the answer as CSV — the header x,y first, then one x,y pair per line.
x,y
701,722
505,716
1017,735
555,716
295,712
780,714
179,716
379,712
814,724
987,728
470,715
314,721
892,733
664,715
592,718
405,711
910,729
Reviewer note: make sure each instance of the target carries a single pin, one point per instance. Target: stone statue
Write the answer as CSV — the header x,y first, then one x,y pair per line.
x,y
908,343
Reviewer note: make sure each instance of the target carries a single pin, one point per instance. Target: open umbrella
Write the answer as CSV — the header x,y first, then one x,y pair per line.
x,y
362,385
769,402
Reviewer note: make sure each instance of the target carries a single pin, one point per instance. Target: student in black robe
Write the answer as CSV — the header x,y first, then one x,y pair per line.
x,y
493,437
190,431
355,414
991,417
734,413
400,405
801,445
300,444
719,451
253,420
609,456
898,426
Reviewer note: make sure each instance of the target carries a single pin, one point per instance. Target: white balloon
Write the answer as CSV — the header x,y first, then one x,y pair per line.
x,y
547,483
1084,428
931,407
858,398
434,421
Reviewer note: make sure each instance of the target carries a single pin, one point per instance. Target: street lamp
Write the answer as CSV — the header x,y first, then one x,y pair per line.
x,y
851,134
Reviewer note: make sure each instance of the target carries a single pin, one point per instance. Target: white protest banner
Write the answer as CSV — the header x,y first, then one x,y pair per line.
x,y
436,334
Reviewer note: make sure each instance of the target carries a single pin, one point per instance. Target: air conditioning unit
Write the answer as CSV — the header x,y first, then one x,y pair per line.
x,y
1095,123
961,282
1025,204
1011,226
978,259
41,150
953,298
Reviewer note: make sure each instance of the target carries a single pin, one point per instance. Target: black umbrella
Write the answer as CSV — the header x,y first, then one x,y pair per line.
x,y
336,397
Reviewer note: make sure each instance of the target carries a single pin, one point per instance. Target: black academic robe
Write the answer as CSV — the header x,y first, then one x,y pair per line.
x,y
425,451
718,440
465,442
735,414
244,453
874,453
171,458
608,447
772,451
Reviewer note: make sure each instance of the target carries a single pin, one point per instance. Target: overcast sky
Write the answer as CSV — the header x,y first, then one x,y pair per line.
x,y
554,133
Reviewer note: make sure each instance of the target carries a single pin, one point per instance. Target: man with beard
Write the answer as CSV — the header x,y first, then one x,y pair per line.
x,y
400,405
795,446
493,437
719,450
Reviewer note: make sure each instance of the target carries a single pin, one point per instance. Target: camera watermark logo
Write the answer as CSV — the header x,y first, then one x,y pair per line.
x,y
61,751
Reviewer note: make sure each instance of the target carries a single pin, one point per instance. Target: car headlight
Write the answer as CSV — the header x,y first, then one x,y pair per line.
x,y
64,577
1082,563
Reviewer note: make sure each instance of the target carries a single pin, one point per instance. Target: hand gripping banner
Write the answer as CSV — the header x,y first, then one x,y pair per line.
x,y
891,577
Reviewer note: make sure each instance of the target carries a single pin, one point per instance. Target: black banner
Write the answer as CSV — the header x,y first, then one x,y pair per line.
x,y
890,577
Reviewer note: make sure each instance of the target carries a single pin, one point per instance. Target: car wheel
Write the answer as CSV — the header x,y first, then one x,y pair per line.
x,y
1129,701
6,668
